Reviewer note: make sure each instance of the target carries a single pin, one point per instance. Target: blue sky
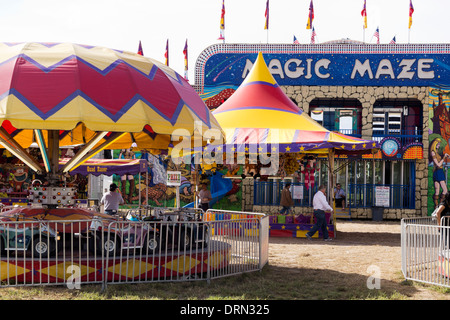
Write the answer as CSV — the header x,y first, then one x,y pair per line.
x,y
120,24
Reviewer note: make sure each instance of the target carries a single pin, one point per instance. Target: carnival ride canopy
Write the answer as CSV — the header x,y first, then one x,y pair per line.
x,y
259,114
59,94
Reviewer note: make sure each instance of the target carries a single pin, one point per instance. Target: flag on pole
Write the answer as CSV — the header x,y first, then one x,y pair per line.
x,y
222,22
266,26
140,51
310,16
185,52
393,41
313,36
295,40
377,35
166,54
411,11
364,14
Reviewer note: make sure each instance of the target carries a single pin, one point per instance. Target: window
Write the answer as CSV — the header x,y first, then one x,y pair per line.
x,y
401,118
342,115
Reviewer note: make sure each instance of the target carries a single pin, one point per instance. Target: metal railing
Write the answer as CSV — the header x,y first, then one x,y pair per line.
x,y
48,253
165,248
363,196
268,193
425,250
407,135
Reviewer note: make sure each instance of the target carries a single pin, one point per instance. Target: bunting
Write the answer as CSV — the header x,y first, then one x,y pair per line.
x,y
364,15
411,11
310,16
222,22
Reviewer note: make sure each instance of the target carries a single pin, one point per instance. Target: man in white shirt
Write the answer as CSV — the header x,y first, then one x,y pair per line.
x,y
111,200
320,205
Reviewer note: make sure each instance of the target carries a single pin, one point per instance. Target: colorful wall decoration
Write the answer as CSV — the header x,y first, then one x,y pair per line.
x,y
439,145
161,195
221,68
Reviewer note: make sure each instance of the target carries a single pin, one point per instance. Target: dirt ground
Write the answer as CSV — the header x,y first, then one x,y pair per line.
x,y
360,249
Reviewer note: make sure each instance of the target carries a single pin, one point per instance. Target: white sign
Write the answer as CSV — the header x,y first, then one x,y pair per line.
x,y
382,195
173,178
297,192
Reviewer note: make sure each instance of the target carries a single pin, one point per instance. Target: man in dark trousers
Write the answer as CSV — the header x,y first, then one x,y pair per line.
x,y
320,205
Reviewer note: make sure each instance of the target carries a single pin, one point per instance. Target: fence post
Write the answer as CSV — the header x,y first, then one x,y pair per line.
x,y
208,261
403,246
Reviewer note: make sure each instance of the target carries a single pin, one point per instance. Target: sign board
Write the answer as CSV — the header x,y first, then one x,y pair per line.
x,y
382,196
348,65
173,178
297,192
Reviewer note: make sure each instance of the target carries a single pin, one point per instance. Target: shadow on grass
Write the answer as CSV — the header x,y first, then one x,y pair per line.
x,y
272,283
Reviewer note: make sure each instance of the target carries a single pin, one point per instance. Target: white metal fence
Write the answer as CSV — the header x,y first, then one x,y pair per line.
x,y
167,247
425,250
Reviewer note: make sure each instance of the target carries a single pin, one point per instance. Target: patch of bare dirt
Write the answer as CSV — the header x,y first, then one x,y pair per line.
x,y
359,249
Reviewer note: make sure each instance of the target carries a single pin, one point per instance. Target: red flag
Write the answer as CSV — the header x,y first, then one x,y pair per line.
x,y
166,54
411,11
140,51
222,22
364,14
185,52
310,16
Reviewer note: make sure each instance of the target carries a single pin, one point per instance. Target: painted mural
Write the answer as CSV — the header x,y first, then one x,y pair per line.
x,y
439,145
224,182
16,177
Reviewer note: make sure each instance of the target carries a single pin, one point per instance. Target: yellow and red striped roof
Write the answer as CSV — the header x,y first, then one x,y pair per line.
x,y
260,113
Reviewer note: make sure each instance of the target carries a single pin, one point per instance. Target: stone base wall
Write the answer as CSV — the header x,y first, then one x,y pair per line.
x,y
357,213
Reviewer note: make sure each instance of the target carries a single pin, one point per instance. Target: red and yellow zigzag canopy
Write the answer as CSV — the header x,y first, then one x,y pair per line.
x,y
260,113
56,86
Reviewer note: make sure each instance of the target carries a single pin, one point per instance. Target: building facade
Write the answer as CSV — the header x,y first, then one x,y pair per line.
x,y
396,94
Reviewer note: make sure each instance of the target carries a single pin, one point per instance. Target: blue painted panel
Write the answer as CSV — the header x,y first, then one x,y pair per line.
x,y
230,69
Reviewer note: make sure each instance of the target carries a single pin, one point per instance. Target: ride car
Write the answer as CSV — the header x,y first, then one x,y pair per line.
x,y
35,237
182,229
131,235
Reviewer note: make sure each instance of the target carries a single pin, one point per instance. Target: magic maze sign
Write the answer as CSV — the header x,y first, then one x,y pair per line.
x,y
336,69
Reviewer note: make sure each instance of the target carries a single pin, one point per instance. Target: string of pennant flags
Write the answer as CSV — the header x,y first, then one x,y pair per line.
x,y
309,26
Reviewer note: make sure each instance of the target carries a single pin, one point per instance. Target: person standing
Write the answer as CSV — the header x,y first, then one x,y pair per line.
x,y
112,199
320,205
339,196
127,154
286,199
205,197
